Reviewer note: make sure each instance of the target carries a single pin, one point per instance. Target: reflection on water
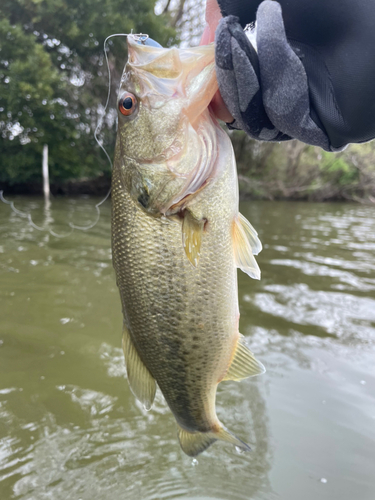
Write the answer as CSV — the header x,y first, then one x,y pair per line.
x,y
69,425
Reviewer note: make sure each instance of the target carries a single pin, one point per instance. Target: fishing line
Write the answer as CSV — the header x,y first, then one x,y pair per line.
x,y
28,216
142,38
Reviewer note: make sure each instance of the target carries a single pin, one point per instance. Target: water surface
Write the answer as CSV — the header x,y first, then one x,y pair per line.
x,y
70,427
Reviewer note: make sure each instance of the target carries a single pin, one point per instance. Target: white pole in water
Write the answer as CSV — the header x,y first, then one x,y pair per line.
x,y
45,173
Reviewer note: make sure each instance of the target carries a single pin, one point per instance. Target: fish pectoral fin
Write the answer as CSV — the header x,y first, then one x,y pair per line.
x,y
243,363
246,244
192,230
193,443
142,383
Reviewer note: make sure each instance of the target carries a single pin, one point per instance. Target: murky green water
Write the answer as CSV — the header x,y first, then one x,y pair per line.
x,y
70,427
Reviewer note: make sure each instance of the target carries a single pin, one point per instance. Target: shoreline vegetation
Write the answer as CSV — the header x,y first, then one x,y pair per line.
x,y
296,171
53,82
270,171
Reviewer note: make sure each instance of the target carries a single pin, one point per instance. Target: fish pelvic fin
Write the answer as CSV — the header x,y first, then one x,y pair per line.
x,y
192,230
141,382
243,364
193,443
246,244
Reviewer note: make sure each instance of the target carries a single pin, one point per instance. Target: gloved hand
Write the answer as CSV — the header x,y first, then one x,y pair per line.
x,y
296,85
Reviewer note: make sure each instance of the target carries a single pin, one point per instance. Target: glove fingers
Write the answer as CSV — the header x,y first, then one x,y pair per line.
x,y
284,81
237,72
266,92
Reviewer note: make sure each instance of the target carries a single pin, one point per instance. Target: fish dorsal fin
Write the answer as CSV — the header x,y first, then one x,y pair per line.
x,y
142,383
193,443
192,230
243,363
246,244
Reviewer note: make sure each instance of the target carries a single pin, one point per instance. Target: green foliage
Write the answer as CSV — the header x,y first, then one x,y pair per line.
x,y
53,80
335,168
295,170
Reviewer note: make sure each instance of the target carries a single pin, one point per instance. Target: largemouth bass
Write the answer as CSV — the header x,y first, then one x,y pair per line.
x,y
177,240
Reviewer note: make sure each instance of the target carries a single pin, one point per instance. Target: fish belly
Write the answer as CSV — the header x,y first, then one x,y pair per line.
x,y
182,320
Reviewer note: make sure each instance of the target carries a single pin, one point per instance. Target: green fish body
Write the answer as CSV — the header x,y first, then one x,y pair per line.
x,y
177,240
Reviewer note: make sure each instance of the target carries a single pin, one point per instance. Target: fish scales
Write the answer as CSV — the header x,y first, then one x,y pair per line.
x,y
178,313
180,308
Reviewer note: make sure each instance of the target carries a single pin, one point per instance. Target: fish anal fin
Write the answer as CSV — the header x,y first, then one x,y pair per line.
x,y
192,230
246,244
243,363
193,443
142,383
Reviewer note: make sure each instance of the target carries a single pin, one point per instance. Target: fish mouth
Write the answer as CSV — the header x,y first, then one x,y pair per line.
x,y
179,86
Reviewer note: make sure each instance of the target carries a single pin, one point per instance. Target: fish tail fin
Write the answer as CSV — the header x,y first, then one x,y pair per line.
x,y
193,443
224,435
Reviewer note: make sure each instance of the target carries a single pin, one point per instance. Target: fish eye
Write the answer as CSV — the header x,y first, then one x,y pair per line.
x,y
127,103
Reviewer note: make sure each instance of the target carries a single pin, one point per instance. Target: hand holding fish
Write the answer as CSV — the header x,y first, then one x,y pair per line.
x,y
309,75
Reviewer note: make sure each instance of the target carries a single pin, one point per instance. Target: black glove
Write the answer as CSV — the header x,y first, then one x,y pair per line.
x,y
313,81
